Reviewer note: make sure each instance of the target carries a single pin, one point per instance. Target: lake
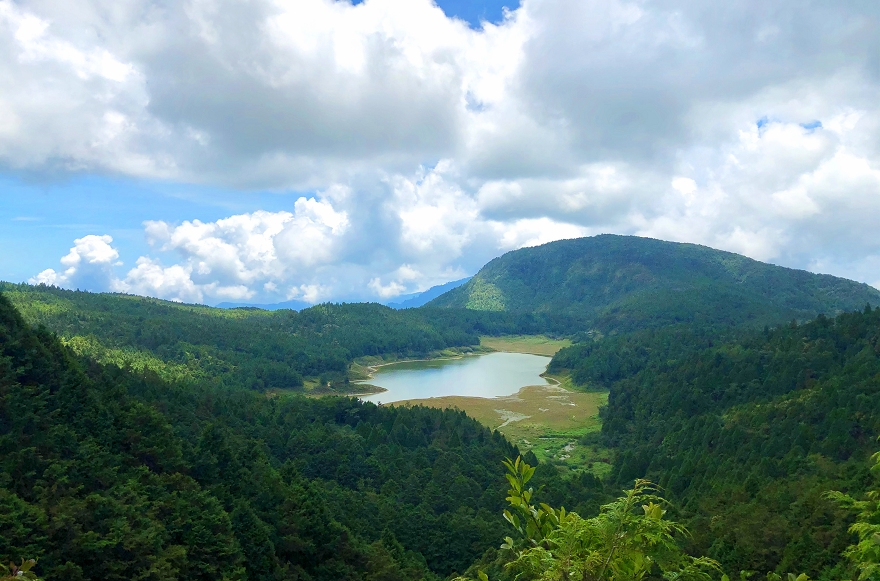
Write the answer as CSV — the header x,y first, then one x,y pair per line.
x,y
491,375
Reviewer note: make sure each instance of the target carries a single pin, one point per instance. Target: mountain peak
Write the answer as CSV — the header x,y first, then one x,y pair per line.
x,y
617,282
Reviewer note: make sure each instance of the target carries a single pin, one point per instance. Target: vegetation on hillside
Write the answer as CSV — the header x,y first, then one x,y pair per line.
x,y
247,348
747,434
114,473
129,450
625,283
632,538
601,363
107,473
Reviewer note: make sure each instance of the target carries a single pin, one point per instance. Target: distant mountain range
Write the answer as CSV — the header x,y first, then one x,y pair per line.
x,y
419,299
408,301
623,283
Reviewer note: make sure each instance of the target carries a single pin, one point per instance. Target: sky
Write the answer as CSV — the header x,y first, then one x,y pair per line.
x,y
318,150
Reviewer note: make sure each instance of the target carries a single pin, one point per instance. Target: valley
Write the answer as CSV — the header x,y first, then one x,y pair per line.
x,y
191,440
439,290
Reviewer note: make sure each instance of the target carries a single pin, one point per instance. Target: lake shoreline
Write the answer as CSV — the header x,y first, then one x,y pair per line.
x,y
486,375
371,370
538,345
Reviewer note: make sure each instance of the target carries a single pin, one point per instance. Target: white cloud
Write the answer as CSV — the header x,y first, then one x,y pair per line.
x,y
781,192
533,232
223,260
150,278
392,289
235,257
262,246
437,216
88,265
310,293
91,250
401,278
754,129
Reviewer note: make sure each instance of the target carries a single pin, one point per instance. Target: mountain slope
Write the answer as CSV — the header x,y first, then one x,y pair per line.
x,y
422,298
624,283
747,436
106,473
248,348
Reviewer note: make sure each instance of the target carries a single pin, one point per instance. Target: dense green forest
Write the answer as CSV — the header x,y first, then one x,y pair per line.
x,y
110,474
633,537
625,283
248,348
745,434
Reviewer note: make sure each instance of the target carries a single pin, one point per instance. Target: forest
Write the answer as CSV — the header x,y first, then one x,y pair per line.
x,y
745,433
249,348
107,473
111,472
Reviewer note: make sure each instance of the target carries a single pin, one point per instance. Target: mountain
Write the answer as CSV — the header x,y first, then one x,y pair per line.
x,y
293,305
419,299
624,283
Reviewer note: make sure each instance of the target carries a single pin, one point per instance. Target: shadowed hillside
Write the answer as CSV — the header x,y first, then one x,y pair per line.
x,y
249,348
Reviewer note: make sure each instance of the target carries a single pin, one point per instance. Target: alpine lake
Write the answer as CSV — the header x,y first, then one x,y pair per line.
x,y
507,390
486,376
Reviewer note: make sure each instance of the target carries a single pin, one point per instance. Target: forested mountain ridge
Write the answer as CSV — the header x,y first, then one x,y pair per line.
x,y
625,283
247,348
110,474
746,434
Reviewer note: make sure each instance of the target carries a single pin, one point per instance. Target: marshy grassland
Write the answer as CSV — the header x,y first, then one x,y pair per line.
x,y
534,344
556,422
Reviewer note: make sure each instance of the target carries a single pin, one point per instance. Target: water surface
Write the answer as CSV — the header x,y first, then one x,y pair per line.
x,y
490,375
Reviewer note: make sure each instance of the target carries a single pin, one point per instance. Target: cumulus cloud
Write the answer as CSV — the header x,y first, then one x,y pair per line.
x,y
88,266
260,246
233,258
783,192
432,146
150,278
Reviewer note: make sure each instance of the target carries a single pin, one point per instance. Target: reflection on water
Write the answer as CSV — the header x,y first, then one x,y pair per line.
x,y
489,375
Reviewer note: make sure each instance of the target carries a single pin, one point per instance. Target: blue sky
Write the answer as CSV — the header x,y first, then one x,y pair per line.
x,y
476,12
320,150
41,220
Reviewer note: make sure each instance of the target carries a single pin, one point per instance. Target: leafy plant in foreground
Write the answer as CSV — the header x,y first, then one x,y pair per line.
x,y
628,539
864,555
17,572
